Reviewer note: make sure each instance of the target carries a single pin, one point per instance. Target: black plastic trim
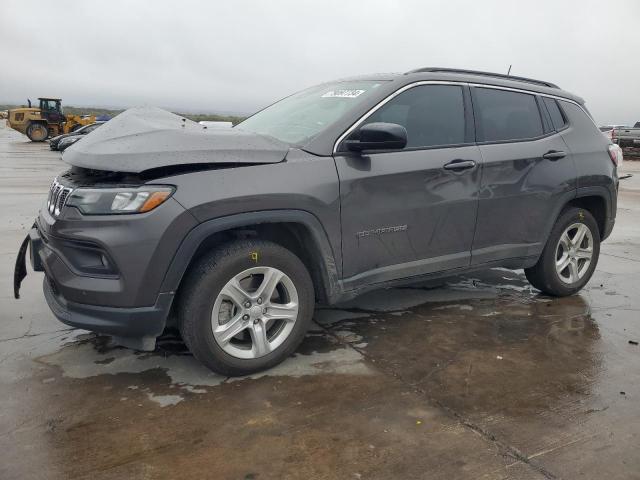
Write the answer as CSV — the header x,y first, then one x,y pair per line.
x,y
123,322
199,234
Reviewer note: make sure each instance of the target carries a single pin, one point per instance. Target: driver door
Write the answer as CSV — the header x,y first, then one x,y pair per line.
x,y
411,212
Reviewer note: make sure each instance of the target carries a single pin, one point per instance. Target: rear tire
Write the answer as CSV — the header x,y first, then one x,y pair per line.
x,y
570,255
210,307
37,132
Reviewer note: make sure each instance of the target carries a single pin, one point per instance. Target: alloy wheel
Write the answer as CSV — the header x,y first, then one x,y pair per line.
x,y
255,312
574,253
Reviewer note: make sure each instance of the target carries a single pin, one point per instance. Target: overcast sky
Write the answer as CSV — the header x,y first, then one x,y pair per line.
x,y
239,55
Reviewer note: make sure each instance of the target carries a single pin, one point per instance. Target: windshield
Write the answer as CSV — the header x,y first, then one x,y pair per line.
x,y
300,117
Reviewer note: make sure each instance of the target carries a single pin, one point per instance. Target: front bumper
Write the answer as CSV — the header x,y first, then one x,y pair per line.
x,y
134,327
131,327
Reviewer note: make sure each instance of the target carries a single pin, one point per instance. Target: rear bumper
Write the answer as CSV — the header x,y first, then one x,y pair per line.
x,y
134,327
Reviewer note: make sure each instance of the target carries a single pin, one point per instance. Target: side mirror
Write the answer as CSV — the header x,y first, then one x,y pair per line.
x,y
379,136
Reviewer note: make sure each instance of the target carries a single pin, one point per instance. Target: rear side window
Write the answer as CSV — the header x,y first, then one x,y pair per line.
x,y
557,118
503,115
432,114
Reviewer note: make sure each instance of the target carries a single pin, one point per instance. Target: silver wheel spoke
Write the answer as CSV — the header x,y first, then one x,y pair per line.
x,y
573,271
233,291
579,236
584,253
261,345
270,281
565,241
224,333
562,263
288,311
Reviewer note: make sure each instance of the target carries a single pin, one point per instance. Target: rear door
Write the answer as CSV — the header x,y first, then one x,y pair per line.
x,y
408,212
528,172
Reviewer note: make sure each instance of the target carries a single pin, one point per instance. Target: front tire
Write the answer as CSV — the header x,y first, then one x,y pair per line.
x,y
37,132
245,307
570,255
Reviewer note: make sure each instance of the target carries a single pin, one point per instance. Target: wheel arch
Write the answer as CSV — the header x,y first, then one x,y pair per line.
x,y
297,230
597,205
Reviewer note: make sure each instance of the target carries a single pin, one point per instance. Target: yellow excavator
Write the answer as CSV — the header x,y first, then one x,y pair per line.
x,y
46,120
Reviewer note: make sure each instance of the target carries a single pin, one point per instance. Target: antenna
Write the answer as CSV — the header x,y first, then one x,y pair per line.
x,y
509,71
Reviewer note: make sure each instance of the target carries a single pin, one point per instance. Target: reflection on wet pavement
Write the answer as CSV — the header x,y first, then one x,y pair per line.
x,y
482,377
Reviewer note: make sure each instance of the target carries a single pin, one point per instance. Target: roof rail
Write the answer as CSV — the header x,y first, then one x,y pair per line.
x,y
484,74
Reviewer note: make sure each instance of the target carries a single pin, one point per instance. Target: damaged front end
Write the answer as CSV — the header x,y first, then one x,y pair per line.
x,y
101,241
110,226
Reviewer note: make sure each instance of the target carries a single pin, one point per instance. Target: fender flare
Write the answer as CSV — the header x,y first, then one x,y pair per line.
x,y
200,233
609,196
581,192
597,191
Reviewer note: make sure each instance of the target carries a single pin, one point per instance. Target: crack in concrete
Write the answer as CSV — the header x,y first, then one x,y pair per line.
x,y
27,334
507,449
620,257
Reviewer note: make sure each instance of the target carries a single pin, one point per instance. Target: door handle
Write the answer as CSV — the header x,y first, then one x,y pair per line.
x,y
554,155
459,165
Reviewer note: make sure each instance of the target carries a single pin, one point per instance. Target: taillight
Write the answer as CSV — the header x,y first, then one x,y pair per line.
x,y
615,154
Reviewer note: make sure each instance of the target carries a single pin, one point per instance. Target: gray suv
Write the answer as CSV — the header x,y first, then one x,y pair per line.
x,y
235,234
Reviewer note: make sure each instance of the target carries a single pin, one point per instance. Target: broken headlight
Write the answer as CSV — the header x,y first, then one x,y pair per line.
x,y
109,201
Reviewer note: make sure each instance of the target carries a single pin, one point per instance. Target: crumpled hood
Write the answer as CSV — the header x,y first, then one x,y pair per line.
x,y
143,138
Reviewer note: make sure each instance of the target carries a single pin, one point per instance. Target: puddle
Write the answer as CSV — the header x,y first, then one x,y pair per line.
x,y
88,358
92,356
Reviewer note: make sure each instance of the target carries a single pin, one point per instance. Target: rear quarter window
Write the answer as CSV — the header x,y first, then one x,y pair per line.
x,y
502,115
557,117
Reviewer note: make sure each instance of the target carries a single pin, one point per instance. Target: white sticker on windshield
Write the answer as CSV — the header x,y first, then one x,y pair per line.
x,y
343,93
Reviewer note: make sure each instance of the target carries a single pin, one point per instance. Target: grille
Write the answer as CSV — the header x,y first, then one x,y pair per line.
x,y
58,195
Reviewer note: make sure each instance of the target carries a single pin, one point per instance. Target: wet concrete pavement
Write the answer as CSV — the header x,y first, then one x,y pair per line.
x,y
480,378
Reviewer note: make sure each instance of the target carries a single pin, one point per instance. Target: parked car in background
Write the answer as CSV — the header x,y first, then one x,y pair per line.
x,y
342,188
65,143
607,130
54,143
626,136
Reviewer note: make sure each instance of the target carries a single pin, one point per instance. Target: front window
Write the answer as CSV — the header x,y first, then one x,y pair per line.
x,y
433,115
302,116
50,105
